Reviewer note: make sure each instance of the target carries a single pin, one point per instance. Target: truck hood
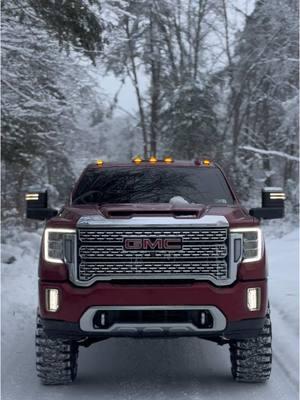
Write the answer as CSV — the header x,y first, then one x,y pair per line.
x,y
236,215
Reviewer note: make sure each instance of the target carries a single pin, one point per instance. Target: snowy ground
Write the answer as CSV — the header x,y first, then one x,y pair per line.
x,y
147,369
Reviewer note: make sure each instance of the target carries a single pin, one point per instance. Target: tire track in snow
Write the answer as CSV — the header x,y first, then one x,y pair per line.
x,y
285,370
286,317
284,351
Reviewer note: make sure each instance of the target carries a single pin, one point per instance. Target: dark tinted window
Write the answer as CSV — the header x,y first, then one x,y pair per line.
x,y
153,185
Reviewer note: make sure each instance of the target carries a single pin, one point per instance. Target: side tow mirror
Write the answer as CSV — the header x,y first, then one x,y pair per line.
x,y
272,204
37,206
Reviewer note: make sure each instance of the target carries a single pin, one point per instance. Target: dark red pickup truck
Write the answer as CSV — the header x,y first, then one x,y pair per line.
x,y
153,249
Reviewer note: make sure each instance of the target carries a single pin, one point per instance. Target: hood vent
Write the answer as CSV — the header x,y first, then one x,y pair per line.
x,y
152,213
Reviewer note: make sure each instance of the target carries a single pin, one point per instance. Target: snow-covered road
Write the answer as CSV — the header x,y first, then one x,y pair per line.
x,y
148,369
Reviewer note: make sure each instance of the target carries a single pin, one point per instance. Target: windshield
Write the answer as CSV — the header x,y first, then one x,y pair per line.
x,y
180,185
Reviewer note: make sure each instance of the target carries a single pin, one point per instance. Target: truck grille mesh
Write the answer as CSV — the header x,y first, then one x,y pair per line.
x,y
101,254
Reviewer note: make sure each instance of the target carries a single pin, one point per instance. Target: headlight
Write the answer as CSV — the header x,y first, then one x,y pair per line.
x,y
59,245
252,243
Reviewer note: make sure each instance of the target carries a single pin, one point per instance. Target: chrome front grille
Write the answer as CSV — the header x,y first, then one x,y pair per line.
x,y
217,269
193,234
209,252
101,254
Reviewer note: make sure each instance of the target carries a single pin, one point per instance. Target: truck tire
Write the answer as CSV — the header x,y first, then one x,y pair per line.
x,y
251,359
56,359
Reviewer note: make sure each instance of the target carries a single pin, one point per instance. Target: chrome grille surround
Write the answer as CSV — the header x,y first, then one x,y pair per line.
x,y
212,261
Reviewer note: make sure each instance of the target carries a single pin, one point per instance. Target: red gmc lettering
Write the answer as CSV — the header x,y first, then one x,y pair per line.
x,y
133,244
172,244
156,244
152,244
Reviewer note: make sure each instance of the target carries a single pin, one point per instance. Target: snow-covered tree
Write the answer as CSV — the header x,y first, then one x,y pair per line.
x,y
262,85
45,94
202,86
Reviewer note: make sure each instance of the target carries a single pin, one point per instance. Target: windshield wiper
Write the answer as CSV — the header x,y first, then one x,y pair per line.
x,y
81,197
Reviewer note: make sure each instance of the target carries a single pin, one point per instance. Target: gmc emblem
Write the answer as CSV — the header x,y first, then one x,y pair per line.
x,y
153,243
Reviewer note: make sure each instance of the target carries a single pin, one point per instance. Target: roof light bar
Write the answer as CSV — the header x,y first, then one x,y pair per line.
x,y
153,160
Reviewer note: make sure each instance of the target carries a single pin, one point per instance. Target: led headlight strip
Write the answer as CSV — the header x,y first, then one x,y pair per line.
x,y
252,243
57,244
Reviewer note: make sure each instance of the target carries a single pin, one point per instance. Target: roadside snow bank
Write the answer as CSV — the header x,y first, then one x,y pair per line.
x,y
19,282
283,260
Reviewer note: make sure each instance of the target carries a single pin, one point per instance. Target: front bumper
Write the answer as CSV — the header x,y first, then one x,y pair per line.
x,y
234,330
231,302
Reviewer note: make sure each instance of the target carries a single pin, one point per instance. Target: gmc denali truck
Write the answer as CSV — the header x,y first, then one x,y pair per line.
x,y
153,249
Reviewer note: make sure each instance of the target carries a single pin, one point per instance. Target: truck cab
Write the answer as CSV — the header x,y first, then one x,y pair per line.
x,y
153,248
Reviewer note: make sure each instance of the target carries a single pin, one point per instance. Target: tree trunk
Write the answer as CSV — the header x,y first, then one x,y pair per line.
x,y
155,82
135,82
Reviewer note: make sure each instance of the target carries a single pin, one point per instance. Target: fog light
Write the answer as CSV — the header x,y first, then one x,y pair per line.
x,y
253,299
52,300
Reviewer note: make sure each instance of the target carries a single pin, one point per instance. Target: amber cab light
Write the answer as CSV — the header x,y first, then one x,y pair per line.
x,y
153,160
99,163
206,162
137,159
168,160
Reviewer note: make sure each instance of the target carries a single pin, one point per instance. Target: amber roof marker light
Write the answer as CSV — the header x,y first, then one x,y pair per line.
x,y
100,163
168,160
206,163
152,160
137,160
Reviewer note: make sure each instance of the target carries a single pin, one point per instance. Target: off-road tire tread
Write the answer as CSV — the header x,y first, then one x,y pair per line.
x,y
56,359
251,359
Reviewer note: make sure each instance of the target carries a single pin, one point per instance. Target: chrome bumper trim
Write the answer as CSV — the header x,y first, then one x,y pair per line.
x,y
86,321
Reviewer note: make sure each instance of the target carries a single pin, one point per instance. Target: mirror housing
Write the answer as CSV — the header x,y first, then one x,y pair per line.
x,y
272,204
37,206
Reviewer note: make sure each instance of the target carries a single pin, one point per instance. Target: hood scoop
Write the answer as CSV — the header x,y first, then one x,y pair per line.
x,y
175,214
144,211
